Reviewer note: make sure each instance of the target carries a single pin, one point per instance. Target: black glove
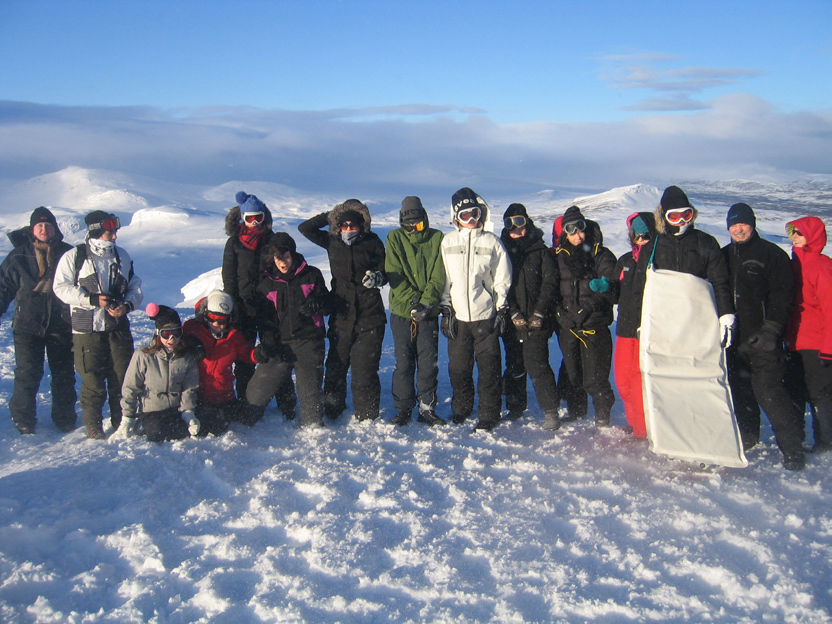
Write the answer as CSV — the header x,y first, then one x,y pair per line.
x,y
261,354
501,320
311,307
419,311
519,321
536,321
448,325
766,340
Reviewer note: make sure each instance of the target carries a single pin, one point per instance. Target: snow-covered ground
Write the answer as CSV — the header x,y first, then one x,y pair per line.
x,y
374,523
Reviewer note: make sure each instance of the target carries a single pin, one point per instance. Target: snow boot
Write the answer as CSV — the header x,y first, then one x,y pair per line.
x,y
794,461
551,420
402,418
430,418
514,415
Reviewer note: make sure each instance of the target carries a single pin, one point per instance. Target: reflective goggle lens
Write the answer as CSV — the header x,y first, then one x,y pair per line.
x,y
220,319
167,334
414,227
677,216
575,226
517,222
253,218
469,216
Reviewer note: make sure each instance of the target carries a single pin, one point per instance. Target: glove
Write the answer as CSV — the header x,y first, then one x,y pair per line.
x,y
726,329
766,340
372,279
448,325
419,311
127,428
95,300
311,307
500,320
519,321
599,285
536,322
192,421
261,355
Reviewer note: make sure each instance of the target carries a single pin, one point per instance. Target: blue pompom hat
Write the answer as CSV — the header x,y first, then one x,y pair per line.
x,y
249,203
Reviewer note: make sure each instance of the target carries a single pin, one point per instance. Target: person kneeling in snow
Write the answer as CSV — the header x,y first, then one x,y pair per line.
x,y
160,387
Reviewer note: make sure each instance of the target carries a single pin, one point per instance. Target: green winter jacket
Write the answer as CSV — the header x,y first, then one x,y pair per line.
x,y
414,267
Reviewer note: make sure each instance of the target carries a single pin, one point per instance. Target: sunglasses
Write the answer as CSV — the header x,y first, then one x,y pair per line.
x,y
679,216
349,226
170,334
644,236
253,218
517,222
469,216
574,226
219,319
414,227
796,233
108,224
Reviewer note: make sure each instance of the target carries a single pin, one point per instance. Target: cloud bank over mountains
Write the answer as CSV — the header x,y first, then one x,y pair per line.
x,y
421,149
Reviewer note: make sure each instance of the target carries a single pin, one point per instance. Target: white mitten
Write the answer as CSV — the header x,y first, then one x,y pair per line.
x,y
373,279
726,329
193,422
127,428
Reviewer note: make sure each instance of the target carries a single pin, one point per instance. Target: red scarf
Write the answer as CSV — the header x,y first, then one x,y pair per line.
x,y
252,237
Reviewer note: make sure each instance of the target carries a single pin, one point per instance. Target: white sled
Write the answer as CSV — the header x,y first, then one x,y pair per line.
x,y
687,401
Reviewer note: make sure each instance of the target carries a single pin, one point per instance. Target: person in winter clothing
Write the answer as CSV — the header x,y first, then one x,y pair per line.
x,y
160,387
762,285
218,346
641,227
532,299
357,320
588,285
41,322
474,308
249,226
809,329
97,280
292,335
414,267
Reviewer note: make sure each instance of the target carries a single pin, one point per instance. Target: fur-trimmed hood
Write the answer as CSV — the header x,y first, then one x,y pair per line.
x,y
351,205
233,221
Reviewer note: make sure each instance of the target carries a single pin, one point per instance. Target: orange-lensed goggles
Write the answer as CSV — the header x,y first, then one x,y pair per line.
x,y
679,216
220,319
419,226
253,218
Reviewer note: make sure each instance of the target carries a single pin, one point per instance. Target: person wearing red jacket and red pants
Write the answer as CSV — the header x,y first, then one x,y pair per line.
x,y
809,331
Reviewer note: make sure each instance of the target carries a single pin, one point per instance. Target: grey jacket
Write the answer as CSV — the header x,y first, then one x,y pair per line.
x,y
159,381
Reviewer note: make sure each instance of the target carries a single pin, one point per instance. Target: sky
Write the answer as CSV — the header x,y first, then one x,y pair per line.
x,y
385,94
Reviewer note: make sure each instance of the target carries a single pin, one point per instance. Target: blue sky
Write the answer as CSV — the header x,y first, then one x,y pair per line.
x,y
507,76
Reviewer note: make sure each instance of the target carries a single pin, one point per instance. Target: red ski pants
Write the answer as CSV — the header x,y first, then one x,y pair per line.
x,y
628,382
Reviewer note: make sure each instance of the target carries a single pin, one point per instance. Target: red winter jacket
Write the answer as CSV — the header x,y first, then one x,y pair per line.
x,y
810,324
216,377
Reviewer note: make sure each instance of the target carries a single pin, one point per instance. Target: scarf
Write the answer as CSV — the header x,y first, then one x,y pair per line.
x,y
46,267
252,237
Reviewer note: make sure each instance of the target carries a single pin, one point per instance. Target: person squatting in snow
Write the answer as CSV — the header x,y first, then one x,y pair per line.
x,y
414,266
249,226
532,300
474,309
160,388
588,286
97,280
218,346
357,319
292,330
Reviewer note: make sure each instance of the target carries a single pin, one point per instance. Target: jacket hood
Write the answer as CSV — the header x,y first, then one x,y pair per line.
x,y
813,230
467,198
649,220
234,218
351,205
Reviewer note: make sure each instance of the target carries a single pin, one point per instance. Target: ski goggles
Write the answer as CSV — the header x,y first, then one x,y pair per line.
x,y
219,319
410,228
574,226
170,334
471,215
253,218
679,216
110,224
517,222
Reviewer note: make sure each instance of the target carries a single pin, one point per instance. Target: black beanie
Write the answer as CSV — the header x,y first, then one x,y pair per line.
x,y
572,214
412,211
515,210
741,213
93,221
464,199
674,197
42,215
163,316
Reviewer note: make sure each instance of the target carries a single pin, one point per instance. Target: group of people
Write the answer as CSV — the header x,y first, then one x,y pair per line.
x,y
477,287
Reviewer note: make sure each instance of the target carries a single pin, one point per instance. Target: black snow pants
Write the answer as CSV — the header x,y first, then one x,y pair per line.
x,y
587,357
417,351
476,342
528,353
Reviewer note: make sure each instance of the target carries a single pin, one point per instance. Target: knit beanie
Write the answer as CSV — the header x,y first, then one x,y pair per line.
x,y
94,220
674,197
249,203
572,214
412,211
465,199
42,215
515,210
219,302
281,242
163,316
741,213
638,226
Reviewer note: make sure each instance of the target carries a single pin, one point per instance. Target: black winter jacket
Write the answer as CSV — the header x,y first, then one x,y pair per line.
x,y
285,295
35,311
762,284
629,298
354,307
242,266
580,307
534,279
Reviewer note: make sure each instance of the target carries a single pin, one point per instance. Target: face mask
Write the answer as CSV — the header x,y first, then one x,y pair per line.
x,y
350,237
682,229
101,247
